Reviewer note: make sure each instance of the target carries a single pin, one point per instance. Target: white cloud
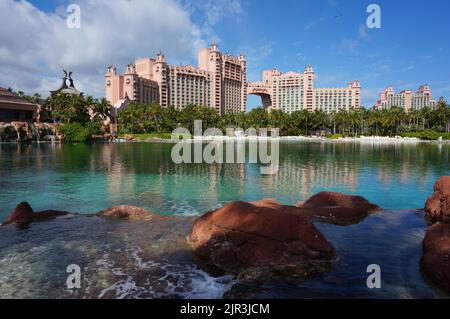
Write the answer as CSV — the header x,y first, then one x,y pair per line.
x,y
216,10
349,44
362,32
36,45
408,68
256,58
353,44
212,12
309,26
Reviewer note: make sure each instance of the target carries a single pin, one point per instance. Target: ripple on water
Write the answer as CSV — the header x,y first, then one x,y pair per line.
x,y
117,259
142,259
151,279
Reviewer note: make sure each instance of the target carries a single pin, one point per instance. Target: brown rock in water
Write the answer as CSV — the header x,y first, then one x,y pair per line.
x,y
435,262
437,207
49,214
23,215
261,237
337,208
127,212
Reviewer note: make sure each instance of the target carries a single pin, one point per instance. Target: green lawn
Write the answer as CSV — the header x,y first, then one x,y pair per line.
x,y
142,137
427,135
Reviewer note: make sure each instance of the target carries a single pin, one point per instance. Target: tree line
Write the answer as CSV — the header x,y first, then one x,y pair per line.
x,y
140,118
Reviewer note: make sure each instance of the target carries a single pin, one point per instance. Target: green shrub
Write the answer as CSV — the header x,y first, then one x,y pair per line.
x,y
164,136
428,135
76,133
95,127
334,136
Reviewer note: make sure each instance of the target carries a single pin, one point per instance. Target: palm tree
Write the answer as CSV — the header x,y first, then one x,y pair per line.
x,y
425,114
36,98
333,118
397,116
342,119
101,109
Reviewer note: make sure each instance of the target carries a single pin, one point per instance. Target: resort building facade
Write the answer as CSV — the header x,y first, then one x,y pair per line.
x,y
408,100
220,82
294,91
16,108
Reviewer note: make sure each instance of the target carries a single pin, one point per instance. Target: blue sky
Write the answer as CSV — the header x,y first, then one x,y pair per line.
x,y
410,49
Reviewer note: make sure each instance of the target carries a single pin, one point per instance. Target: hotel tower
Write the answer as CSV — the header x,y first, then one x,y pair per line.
x,y
293,91
407,100
220,82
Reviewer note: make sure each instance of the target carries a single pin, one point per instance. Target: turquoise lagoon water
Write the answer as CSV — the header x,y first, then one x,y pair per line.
x,y
88,178
152,260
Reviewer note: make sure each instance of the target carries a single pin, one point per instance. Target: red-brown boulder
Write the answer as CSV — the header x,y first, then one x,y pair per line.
x,y
337,208
435,262
437,207
260,237
23,215
127,212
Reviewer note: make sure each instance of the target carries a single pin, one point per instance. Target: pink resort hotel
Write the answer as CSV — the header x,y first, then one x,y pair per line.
x,y
408,100
220,82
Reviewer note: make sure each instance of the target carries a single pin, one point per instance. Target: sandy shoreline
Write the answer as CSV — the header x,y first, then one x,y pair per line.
x,y
369,139
366,139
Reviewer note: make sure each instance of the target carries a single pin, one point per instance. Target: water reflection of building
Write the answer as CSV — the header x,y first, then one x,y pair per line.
x,y
304,178
211,180
148,175
121,179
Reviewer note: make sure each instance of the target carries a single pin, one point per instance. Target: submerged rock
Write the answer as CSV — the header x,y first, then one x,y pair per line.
x,y
128,212
251,239
23,215
337,208
435,262
437,207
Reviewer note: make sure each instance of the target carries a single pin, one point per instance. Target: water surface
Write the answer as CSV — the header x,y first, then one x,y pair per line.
x,y
88,178
152,260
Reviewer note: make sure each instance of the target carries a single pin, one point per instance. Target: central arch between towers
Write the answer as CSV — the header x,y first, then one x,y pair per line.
x,y
262,90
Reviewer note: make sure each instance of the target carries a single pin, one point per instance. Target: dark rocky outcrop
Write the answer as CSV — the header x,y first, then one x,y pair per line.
x,y
128,212
437,207
435,262
251,239
337,208
23,215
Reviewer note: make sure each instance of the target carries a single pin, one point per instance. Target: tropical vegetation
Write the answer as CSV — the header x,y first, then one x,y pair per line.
x,y
153,120
81,117
140,119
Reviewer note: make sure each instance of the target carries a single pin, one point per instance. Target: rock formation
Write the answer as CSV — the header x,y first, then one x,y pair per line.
x,y
128,212
23,215
262,237
337,208
437,207
435,262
